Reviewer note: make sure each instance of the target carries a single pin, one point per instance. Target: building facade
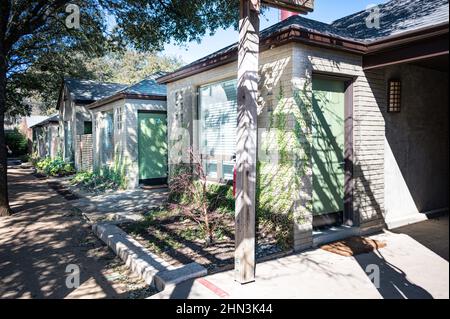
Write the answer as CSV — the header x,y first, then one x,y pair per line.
x,y
346,141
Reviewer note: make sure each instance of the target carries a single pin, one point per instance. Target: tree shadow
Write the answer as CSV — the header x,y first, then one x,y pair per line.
x,y
42,239
393,282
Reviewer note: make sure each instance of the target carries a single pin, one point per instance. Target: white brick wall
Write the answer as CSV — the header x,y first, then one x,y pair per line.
x,y
291,67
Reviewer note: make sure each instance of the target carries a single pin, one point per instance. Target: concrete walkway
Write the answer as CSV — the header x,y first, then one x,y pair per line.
x,y
126,205
407,270
43,237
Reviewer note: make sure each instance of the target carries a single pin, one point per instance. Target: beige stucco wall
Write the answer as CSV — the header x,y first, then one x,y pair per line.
x,y
47,142
126,156
417,146
75,115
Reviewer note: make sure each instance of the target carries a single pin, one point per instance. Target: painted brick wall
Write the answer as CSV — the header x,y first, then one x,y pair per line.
x,y
369,100
286,86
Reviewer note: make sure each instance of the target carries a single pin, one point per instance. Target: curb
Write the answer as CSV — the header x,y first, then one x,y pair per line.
x,y
151,268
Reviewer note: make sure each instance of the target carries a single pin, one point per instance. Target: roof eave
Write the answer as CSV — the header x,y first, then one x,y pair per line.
x,y
297,34
408,36
124,96
287,35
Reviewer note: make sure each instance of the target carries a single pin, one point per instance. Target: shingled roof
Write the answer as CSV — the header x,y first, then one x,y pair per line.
x,y
148,86
147,89
47,120
91,91
396,17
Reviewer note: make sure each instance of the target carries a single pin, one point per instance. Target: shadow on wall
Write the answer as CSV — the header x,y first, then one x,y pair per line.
x,y
417,144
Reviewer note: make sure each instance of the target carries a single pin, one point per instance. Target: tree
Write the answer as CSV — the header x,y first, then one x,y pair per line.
x,y
127,67
130,66
32,32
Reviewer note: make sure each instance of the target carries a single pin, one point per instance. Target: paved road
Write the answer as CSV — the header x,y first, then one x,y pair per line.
x,y
43,237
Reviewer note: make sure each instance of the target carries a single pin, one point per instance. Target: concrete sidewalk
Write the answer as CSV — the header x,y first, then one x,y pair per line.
x,y
407,270
121,205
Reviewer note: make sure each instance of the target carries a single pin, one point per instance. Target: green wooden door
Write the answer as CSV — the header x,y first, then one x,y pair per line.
x,y
328,146
152,143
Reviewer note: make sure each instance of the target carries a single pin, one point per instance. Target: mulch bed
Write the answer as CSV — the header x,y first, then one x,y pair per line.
x,y
168,236
354,246
63,191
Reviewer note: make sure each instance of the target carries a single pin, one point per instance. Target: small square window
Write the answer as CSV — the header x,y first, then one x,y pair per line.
x,y
87,127
394,96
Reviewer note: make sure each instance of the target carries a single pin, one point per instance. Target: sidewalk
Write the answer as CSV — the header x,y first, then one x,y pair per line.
x,y
122,205
43,237
407,270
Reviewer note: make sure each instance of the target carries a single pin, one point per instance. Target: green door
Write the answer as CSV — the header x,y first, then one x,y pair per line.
x,y
328,146
152,141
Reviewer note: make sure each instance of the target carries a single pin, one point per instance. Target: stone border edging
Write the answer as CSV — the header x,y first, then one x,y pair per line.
x,y
151,268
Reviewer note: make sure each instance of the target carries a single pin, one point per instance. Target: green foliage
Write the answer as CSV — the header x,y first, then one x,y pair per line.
x,y
220,197
55,167
17,142
279,182
130,66
100,181
41,52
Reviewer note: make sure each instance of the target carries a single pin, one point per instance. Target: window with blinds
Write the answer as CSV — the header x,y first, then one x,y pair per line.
x,y
218,120
108,138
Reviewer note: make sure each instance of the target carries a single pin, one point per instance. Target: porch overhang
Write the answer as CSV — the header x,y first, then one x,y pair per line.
x,y
407,48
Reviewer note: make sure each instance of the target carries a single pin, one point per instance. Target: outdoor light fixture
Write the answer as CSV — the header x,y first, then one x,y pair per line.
x,y
394,96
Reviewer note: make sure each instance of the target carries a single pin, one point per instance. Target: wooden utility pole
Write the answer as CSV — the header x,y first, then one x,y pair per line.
x,y
247,127
247,140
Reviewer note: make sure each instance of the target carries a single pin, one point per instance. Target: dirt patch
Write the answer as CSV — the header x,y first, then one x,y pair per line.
x,y
354,246
180,241
63,191
43,237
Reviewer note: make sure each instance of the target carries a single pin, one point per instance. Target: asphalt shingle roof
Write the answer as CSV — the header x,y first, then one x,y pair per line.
x,y
396,17
148,86
46,120
89,91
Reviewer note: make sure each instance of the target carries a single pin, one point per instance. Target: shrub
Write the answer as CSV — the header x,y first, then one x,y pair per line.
x,y
17,142
55,167
100,181
200,201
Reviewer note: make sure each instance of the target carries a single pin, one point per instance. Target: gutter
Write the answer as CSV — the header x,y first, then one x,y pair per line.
x,y
296,34
123,96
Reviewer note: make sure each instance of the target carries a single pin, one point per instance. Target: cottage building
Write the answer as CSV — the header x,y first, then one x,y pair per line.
x,y
130,133
76,120
46,137
352,119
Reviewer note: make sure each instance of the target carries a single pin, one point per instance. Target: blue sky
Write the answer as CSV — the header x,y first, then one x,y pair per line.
x,y
325,11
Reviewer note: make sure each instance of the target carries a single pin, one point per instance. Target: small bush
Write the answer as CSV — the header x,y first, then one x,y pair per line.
x,y
100,181
55,167
17,142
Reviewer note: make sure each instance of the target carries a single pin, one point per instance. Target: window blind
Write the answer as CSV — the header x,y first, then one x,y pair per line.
x,y
218,118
